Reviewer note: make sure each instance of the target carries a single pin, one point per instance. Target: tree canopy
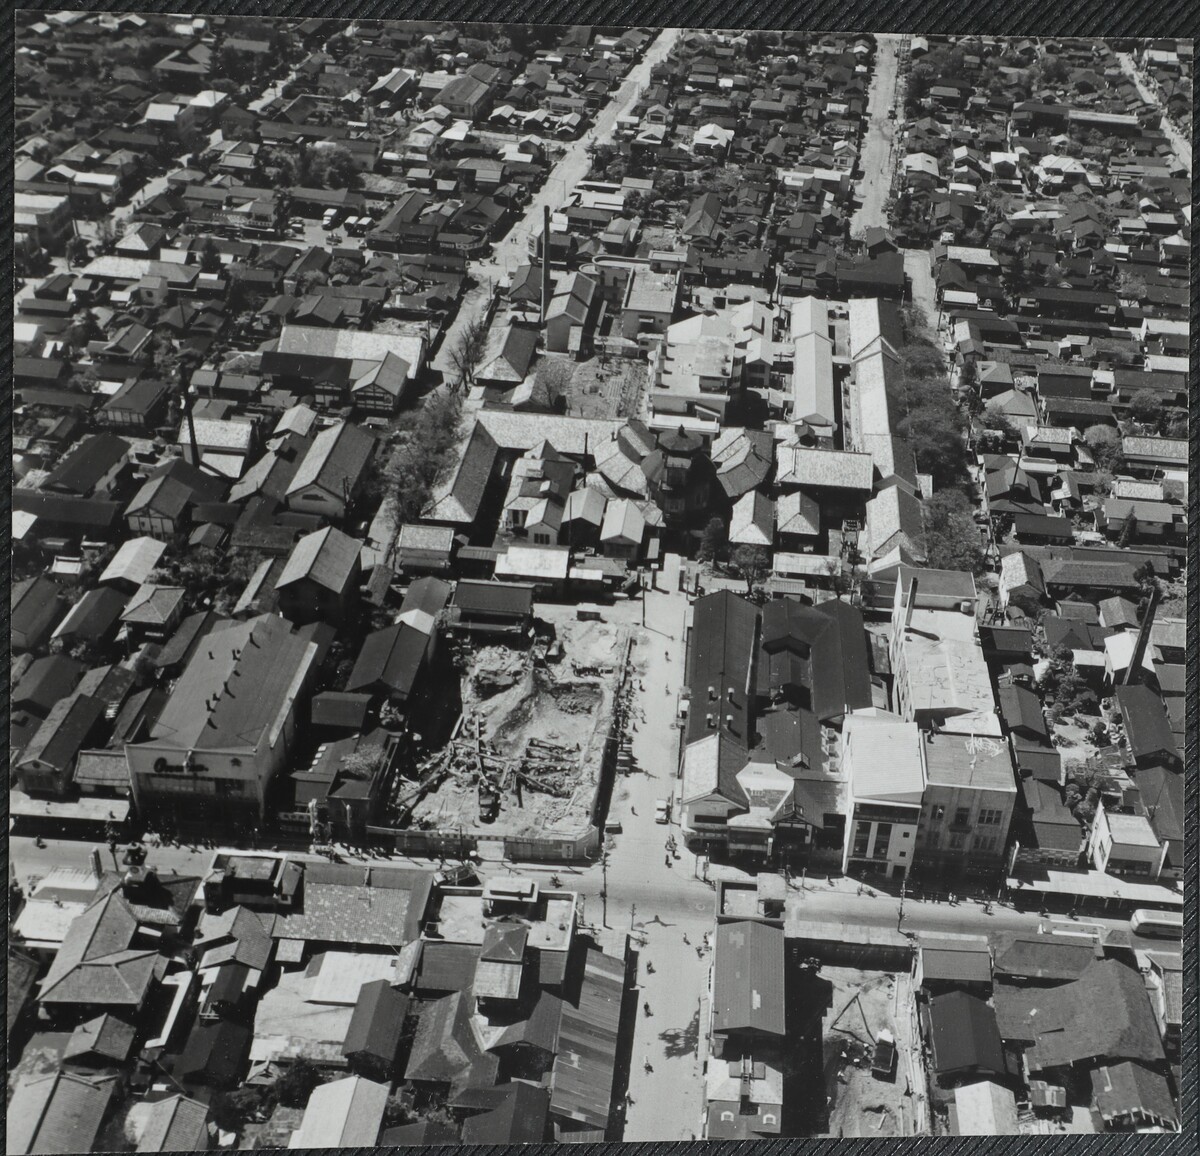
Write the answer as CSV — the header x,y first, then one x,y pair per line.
x,y
951,536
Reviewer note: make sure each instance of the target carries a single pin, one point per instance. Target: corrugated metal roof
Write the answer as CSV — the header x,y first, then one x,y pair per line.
x,y
587,1045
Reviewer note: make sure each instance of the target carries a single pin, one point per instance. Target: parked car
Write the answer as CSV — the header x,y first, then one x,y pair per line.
x,y
662,811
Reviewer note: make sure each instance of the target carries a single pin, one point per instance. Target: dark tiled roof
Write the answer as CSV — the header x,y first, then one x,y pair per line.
x,y
493,598
80,471
390,659
1131,1092
1146,722
721,656
520,1118
1063,1025
377,1022
964,1035
446,967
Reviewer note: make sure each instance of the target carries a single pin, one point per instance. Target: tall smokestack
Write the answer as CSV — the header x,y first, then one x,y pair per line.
x,y
545,262
94,857
1133,673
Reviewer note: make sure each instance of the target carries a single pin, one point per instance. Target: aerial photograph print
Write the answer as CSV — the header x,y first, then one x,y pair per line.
x,y
579,583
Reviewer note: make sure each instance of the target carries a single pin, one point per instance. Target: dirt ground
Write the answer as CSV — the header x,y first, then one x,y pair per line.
x,y
862,1104
606,388
512,698
1074,742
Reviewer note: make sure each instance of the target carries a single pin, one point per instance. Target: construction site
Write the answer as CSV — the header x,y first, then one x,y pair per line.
x,y
865,1007
526,756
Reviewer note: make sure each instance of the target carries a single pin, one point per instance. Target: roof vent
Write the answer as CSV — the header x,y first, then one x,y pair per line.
x,y
711,719
712,693
729,721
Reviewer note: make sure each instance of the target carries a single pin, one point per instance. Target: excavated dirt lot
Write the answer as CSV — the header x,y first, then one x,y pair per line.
x,y
561,704
861,1104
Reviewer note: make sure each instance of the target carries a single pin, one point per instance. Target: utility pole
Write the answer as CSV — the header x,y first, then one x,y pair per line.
x,y
604,887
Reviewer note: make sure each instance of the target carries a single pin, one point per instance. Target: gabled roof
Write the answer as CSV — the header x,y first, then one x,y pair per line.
x,y
80,471
721,656
520,1118
236,935
458,492
327,557
107,1036
582,1081
134,561
335,461
1021,709
1147,724
57,1113
829,643
152,605
623,522
964,1035
748,979
176,1124
508,353
207,709
1132,1093
46,681
378,1021
390,658
797,513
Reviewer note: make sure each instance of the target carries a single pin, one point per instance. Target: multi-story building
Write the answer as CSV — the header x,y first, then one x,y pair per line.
x,y
228,727
883,758
1123,844
968,804
45,220
940,677
748,1008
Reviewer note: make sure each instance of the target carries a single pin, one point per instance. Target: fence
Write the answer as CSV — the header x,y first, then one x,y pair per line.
x,y
434,844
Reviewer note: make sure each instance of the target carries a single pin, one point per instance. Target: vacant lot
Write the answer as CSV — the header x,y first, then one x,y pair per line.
x,y
539,728
863,1003
606,387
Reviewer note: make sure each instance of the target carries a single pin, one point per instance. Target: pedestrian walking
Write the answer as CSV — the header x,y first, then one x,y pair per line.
x,y
686,940
649,1067
646,1009
633,810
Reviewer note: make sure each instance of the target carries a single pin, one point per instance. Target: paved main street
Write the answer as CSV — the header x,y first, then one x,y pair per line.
x,y
877,157
571,168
